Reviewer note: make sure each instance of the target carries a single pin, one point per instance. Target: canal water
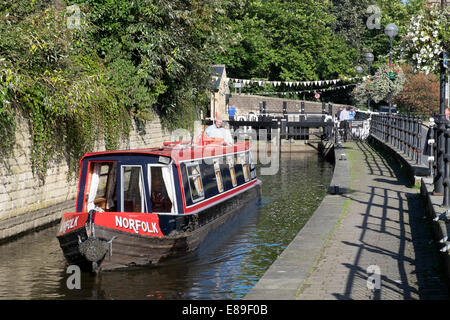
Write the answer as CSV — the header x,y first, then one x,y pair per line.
x,y
229,263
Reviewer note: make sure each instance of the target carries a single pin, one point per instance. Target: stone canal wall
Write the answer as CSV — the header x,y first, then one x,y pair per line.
x,y
26,203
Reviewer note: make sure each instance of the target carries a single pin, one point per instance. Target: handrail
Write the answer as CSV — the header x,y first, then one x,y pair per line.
x,y
405,133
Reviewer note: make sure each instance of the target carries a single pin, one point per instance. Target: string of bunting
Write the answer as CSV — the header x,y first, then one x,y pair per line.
x,y
309,91
293,83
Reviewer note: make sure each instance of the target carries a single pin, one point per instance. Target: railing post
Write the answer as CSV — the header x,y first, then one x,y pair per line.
x,y
446,158
396,136
419,139
413,142
409,137
393,124
435,150
402,133
431,143
388,128
438,179
393,130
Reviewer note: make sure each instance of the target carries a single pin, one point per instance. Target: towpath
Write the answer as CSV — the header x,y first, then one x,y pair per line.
x,y
379,247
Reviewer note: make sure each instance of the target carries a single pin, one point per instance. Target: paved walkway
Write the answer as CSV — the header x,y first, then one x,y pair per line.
x,y
371,242
382,235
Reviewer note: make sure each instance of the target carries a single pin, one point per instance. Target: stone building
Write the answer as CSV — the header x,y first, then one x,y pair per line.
x,y
220,93
438,2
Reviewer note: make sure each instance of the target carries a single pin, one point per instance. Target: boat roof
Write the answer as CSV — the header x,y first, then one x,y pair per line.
x,y
180,151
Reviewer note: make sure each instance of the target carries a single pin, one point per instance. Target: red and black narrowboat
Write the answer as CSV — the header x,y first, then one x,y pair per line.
x,y
140,207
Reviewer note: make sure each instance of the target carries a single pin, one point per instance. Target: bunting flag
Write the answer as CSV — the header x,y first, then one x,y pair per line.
x,y
307,91
292,83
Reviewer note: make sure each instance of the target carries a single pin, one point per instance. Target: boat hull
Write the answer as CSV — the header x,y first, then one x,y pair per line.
x,y
126,249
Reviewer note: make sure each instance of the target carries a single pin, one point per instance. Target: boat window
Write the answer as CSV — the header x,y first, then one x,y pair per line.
x,y
195,182
161,188
246,171
251,159
230,162
133,199
245,166
101,186
218,175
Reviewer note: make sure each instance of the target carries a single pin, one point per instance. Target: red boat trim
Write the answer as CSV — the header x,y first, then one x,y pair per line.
x,y
221,197
144,224
168,151
72,221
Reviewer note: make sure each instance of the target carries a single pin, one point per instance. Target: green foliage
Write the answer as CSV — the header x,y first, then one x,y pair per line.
x,y
158,53
126,60
420,94
8,83
60,88
285,40
387,83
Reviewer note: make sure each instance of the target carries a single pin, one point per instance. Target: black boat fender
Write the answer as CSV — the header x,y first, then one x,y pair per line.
x,y
94,249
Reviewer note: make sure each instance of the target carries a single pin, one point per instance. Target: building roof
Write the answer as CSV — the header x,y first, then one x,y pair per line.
x,y
219,72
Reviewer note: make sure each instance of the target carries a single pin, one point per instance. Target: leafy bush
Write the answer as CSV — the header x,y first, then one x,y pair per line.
x,y
384,85
420,94
126,60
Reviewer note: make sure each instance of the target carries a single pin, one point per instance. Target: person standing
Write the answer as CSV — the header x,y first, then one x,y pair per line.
x,y
343,121
339,112
231,112
351,114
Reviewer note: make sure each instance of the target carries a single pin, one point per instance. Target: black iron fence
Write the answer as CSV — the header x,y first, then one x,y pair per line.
x,y
403,132
407,135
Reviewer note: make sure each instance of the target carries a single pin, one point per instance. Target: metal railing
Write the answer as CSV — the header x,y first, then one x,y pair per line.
x,y
402,132
405,133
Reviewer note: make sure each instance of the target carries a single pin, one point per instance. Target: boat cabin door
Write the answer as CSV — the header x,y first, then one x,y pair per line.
x,y
162,191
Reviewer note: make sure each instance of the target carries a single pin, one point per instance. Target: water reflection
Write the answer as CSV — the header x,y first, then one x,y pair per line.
x,y
226,266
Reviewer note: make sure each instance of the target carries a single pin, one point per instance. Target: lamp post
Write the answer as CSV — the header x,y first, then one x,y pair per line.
x,y
359,71
369,57
391,31
439,176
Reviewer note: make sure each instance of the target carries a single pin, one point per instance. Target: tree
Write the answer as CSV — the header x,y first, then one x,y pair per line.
x,y
351,18
286,40
420,94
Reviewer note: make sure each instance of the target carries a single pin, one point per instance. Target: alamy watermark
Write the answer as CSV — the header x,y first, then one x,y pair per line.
x,y
74,18
74,280
374,280
374,21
